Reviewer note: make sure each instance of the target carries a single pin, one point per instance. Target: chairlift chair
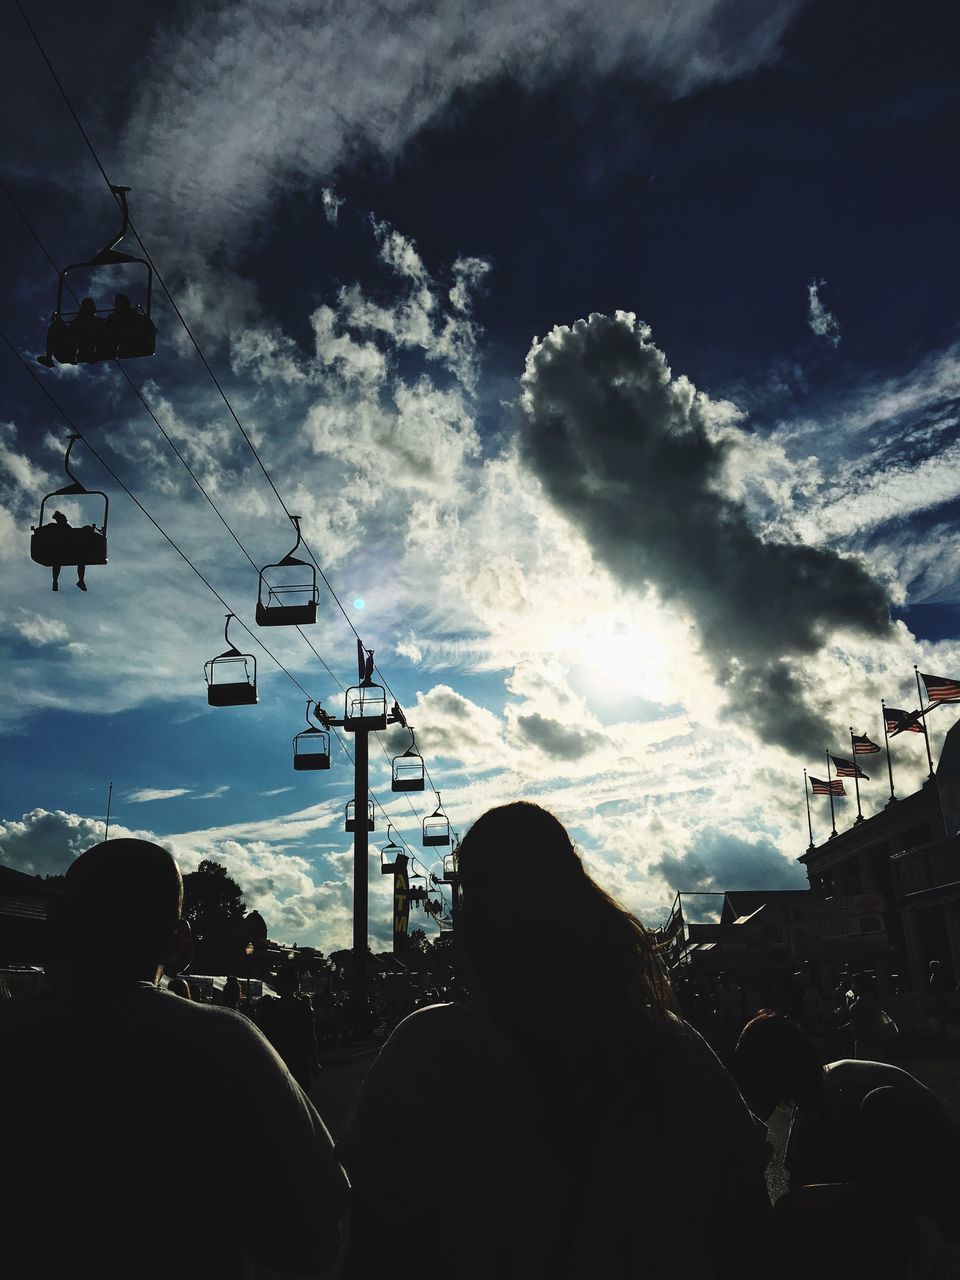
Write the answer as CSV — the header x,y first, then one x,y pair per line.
x,y
239,688
365,707
436,827
58,543
311,747
287,604
450,873
123,333
351,819
408,771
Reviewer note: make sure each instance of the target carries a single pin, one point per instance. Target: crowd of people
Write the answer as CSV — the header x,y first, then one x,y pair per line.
x,y
585,1125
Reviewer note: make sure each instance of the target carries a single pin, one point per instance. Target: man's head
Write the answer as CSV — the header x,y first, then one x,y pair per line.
x,y
776,1061
119,919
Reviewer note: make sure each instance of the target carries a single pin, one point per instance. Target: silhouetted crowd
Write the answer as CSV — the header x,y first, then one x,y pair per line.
x,y
588,1118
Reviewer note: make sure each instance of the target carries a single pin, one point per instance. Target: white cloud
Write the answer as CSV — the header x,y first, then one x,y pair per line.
x,y
823,323
41,631
145,794
331,205
633,456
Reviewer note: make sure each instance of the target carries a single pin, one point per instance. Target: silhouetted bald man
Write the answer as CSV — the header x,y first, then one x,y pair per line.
x,y
145,1135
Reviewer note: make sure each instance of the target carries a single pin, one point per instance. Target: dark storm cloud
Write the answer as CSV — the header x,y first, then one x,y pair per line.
x,y
718,861
558,740
625,450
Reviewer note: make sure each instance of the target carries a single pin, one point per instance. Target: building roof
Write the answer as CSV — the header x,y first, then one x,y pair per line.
x,y
25,897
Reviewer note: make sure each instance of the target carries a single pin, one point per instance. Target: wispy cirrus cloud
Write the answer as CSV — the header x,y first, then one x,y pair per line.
x,y
146,794
821,321
355,77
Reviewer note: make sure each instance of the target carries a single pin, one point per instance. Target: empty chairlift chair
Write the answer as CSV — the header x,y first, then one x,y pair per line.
x,y
436,827
92,333
365,705
450,875
408,773
285,603
350,823
56,542
231,676
311,747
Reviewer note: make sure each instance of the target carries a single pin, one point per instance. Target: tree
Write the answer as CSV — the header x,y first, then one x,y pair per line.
x,y
212,902
412,946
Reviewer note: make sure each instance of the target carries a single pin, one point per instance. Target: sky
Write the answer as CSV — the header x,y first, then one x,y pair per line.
x,y
610,356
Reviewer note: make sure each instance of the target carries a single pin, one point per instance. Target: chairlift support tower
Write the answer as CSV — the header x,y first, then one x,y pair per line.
x,y
365,713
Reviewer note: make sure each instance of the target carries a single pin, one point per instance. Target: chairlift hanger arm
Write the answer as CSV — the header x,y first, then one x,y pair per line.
x,y
339,724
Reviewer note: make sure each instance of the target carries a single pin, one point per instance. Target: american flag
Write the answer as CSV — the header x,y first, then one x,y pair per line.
x,y
832,788
848,769
941,688
862,746
902,721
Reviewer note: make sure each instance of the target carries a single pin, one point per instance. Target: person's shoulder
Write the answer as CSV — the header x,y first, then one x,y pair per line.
x,y
442,1020
862,1075
448,1032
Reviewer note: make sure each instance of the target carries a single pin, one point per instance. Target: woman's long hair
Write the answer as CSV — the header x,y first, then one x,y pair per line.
x,y
573,979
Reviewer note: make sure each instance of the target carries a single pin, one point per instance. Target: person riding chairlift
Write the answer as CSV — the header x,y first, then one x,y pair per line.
x,y
75,341
60,520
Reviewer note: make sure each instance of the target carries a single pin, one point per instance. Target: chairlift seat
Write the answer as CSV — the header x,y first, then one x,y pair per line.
x,y
286,615
120,335
51,545
436,832
365,707
318,758
407,772
232,693
107,341
350,823
303,597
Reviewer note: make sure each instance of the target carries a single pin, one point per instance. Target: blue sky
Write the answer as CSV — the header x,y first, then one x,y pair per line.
x,y
611,358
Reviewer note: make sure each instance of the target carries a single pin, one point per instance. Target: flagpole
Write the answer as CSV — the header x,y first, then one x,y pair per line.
x,y
806,796
833,816
886,740
923,719
106,831
856,777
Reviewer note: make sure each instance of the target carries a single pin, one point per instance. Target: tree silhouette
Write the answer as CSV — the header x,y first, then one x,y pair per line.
x,y
212,901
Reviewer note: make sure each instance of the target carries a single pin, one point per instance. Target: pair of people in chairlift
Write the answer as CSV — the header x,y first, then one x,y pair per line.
x,y
86,337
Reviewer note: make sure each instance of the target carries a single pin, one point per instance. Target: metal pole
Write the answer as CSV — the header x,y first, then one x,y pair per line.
x,y
833,820
886,741
806,795
923,719
106,828
856,776
359,1013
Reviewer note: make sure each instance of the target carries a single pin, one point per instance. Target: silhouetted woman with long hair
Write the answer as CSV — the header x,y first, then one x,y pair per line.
x,y
583,1130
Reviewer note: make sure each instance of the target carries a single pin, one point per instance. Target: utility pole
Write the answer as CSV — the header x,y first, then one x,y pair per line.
x,y
365,712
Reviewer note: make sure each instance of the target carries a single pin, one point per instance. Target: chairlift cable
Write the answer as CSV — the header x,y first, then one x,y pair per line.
x,y
170,299
213,376
140,396
186,559
43,248
136,501
188,330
